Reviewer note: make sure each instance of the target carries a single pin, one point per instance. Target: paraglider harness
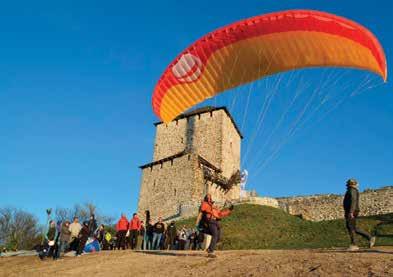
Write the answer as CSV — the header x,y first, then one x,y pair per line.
x,y
203,226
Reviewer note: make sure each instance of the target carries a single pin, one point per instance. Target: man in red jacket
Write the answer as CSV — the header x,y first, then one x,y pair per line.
x,y
134,227
121,228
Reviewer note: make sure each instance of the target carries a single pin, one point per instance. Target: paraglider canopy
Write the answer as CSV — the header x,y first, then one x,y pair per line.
x,y
250,49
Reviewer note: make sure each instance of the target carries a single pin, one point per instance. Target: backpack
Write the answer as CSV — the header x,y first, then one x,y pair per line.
x,y
108,236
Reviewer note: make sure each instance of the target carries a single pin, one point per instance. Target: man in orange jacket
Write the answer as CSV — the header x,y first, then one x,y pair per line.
x,y
121,228
134,227
209,217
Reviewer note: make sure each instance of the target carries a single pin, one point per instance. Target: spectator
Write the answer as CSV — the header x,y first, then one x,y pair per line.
x,y
182,238
83,237
149,233
51,237
121,228
188,234
64,238
171,236
92,225
75,228
158,230
145,237
134,227
193,238
162,240
108,243
141,236
351,209
100,235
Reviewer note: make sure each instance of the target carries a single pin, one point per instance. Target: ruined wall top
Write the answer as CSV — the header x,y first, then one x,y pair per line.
x,y
329,206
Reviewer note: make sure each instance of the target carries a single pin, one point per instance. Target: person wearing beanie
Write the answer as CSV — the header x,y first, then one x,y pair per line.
x,y
83,237
351,212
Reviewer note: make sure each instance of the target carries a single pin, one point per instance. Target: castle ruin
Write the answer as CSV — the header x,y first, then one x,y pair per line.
x,y
195,154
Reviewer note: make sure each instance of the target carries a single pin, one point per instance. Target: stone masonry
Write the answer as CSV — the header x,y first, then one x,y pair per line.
x,y
329,206
174,184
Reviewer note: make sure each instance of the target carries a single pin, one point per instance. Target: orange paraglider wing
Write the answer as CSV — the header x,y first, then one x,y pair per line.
x,y
260,46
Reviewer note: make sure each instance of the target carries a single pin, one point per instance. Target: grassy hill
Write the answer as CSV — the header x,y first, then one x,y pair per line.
x,y
262,227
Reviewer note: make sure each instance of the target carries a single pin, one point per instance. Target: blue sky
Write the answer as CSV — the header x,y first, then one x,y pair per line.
x,y
75,101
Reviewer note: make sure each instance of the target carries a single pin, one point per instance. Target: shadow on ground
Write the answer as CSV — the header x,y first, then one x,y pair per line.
x,y
173,253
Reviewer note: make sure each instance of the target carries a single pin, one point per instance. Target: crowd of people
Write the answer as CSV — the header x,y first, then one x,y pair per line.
x,y
134,234
161,236
66,236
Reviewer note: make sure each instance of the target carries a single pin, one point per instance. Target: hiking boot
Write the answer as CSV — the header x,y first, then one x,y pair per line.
x,y
372,242
211,255
353,247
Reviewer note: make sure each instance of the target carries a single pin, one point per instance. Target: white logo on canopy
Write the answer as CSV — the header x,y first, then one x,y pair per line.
x,y
188,68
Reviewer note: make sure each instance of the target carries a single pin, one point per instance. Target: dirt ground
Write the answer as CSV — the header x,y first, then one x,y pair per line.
x,y
376,262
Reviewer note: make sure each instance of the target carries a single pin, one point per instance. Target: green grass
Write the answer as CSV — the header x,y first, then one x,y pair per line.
x,y
262,227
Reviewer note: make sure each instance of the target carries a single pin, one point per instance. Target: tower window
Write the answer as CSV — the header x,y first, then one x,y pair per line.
x,y
174,192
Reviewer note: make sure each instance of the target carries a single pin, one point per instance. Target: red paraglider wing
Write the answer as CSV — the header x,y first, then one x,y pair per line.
x,y
260,46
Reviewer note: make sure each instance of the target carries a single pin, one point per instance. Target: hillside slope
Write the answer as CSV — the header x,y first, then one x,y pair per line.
x,y
262,227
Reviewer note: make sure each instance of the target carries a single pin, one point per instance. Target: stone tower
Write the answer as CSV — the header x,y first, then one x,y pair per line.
x,y
198,152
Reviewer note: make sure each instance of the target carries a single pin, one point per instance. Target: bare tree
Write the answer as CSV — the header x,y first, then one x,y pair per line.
x,y
91,207
83,212
18,229
62,214
105,219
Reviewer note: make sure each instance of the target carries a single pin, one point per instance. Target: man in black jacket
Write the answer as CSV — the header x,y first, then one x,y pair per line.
x,y
351,209
171,233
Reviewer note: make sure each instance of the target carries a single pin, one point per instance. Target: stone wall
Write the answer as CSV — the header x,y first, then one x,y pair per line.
x,y
175,188
167,186
328,207
201,134
212,135
263,201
